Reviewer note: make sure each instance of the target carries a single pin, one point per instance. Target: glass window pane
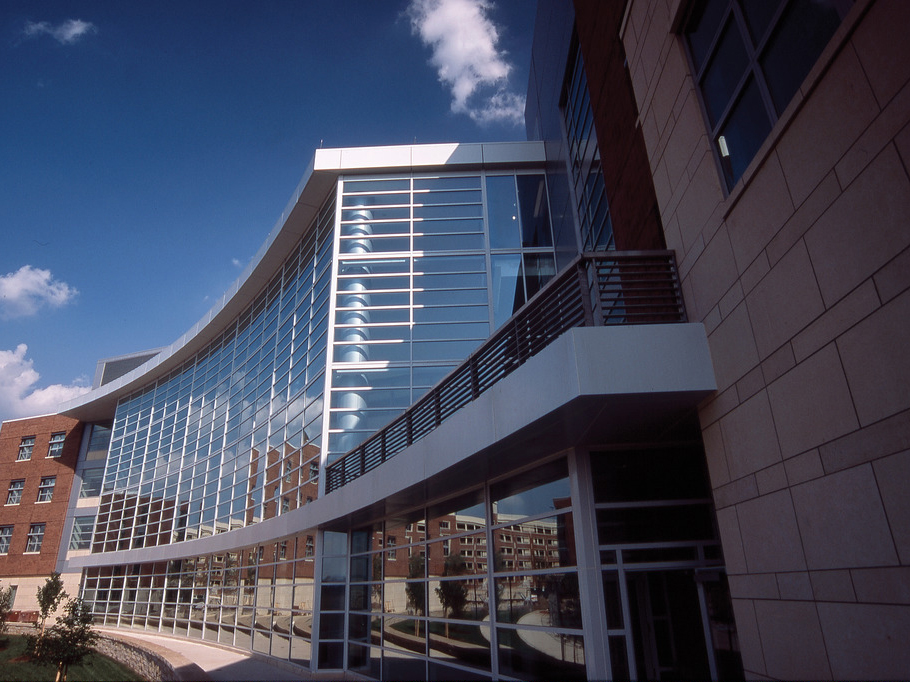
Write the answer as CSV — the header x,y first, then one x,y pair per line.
x,y
453,225
521,655
451,331
382,185
703,27
456,211
451,281
430,376
375,283
377,378
373,266
375,244
331,626
441,264
367,419
82,532
655,524
664,474
743,133
726,70
800,36
508,288
539,269
368,214
449,197
449,242
376,200
459,515
443,350
758,14
357,229
502,212
540,490
468,313
91,482
461,297
550,599
448,182
534,545
535,211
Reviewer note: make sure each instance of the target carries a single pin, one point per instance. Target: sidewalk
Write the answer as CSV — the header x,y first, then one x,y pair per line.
x,y
204,661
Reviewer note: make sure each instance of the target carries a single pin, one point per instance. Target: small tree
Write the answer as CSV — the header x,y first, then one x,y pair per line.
x,y
416,589
69,641
6,605
50,596
453,594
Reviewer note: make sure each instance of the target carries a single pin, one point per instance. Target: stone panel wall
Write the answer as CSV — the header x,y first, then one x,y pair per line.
x,y
801,275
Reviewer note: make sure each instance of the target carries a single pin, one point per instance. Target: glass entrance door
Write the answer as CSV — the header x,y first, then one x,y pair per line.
x,y
667,625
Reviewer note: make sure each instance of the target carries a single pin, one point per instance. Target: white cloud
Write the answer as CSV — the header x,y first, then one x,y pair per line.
x,y
19,396
467,58
25,291
65,33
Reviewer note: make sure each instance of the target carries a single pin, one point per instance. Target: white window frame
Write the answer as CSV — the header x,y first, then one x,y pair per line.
x,y
26,447
55,445
46,489
35,538
15,490
6,538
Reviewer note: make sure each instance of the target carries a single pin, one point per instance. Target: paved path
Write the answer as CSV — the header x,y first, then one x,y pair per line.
x,y
224,664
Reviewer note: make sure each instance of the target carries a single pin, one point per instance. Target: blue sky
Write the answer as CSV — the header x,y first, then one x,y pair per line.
x,y
148,147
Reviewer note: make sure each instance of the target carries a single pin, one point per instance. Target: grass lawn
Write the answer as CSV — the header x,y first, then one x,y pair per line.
x,y
15,666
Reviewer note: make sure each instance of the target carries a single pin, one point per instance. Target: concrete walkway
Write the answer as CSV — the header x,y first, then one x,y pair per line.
x,y
221,663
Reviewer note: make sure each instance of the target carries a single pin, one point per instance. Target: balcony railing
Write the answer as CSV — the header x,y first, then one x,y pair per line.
x,y
603,288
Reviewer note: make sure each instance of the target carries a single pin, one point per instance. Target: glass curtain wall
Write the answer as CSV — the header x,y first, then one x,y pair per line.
x,y
233,436
665,594
427,267
483,583
589,191
486,583
258,597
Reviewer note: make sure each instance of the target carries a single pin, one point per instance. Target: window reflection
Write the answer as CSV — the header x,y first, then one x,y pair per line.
x,y
508,286
539,269
540,490
258,598
535,211
502,212
536,655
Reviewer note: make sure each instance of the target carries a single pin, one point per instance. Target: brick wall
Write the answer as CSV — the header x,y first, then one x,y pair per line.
x,y
29,511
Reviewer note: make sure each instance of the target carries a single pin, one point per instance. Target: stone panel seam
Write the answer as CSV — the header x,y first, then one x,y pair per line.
x,y
894,544
828,451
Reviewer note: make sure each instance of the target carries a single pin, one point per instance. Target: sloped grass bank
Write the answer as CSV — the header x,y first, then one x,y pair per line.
x,y
16,666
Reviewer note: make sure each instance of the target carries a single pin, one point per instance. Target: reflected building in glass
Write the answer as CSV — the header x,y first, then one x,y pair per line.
x,y
455,420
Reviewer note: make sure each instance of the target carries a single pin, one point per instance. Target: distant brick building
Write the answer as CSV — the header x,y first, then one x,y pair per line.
x,y
37,464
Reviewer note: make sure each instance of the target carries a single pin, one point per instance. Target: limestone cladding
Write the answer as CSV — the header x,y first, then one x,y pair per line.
x,y
801,275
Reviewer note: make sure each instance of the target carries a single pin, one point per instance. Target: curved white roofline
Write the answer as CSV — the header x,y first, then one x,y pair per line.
x,y
321,175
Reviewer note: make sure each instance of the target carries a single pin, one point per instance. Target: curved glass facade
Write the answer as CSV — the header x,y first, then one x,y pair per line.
x,y
520,560
233,436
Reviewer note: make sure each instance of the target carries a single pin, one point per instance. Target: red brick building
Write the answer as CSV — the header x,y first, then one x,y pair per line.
x,y
37,465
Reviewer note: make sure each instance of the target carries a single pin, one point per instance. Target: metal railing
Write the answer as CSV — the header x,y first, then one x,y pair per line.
x,y
603,288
